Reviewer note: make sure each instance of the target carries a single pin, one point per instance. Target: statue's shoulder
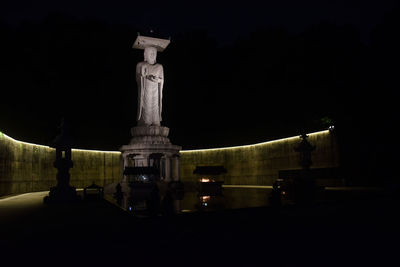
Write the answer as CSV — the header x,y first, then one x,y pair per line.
x,y
141,64
158,66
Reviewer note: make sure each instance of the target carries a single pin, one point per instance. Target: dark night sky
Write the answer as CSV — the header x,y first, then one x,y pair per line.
x,y
224,20
236,73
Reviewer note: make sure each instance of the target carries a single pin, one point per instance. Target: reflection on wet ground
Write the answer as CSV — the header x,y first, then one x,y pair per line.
x,y
230,198
149,200
144,200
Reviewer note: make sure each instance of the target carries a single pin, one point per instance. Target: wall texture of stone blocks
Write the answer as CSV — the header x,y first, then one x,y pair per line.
x,y
259,164
26,167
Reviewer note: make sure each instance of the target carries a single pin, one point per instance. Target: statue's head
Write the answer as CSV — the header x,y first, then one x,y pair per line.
x,y
150,54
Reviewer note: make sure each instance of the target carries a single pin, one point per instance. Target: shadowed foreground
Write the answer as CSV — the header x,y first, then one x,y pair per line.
x,y
100,234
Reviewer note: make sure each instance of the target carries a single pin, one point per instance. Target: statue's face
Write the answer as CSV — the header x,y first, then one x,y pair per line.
x,y
150,55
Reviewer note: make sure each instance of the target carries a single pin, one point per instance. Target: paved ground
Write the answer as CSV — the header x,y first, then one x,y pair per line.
x,y
360,233
17,207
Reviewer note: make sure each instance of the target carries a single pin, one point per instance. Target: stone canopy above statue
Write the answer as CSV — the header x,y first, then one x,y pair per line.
x,y
142,42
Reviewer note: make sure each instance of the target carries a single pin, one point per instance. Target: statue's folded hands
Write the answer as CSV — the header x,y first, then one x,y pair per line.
x,y
154,78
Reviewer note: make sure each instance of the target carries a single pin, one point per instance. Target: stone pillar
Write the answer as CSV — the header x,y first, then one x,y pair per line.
x,y
122,167
167,177
178,205
142,160
176,167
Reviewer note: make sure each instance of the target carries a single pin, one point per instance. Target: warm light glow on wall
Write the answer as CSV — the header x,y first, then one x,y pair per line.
x,y
254,145
2,135
98,151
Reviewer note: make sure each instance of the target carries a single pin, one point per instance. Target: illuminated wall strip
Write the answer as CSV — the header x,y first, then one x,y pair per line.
x,y
254,145
2,135
48,147
97,151
182,151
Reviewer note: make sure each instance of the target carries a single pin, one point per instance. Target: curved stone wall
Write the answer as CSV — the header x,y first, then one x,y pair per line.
x,y
26,167
259,164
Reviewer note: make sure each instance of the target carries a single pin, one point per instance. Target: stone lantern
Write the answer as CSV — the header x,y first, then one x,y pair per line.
x,y
62,192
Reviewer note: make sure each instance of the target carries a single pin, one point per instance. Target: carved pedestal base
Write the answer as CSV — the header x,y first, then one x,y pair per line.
x,y
151,147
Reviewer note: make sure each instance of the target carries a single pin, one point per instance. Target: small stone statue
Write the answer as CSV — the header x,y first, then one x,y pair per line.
x,y
305,149
305,189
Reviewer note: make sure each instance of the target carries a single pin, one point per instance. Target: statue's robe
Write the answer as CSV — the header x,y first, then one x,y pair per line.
x,y
149,93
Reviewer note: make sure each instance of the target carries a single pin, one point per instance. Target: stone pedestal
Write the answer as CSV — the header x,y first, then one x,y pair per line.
x,y
150,146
